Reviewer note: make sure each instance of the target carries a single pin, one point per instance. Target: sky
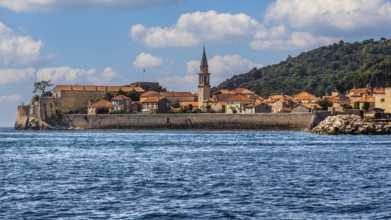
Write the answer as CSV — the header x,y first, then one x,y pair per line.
x,y
112,42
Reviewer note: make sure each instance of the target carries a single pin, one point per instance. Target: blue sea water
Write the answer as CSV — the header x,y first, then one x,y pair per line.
x,y
193,175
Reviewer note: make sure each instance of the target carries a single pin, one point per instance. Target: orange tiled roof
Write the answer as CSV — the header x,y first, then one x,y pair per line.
x,y
78,88
378,90
239,98
121,97
358,92
101,88
177,94
102,104
152,100
285,97
90,88
97,88
151,94
112,88
367,99
131,88
225,92
305,96
243,91
62,87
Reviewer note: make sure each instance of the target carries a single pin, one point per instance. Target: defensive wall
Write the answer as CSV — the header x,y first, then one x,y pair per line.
x,y
77,100
201,121
23,117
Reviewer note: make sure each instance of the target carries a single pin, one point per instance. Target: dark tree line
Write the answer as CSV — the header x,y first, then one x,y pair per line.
x,y
340,66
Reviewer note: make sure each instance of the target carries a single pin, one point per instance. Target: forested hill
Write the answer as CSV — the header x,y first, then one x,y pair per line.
x,y
339,66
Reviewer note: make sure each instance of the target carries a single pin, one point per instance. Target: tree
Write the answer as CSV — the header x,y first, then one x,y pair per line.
x,y
366,106
119,92
325,104
107,96
40,88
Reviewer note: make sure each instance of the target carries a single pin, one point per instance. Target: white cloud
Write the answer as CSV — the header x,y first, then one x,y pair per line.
x,y
8,76
290,41
72,75
62,5
104,78
186,83
59,74
17,50
220,67
10,98
336,14
193,28
146,60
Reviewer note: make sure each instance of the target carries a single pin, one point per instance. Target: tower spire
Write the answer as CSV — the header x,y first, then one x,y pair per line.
x,y
204,62
203,80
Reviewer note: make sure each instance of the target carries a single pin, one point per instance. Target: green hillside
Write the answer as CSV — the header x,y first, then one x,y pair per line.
x,y
339,66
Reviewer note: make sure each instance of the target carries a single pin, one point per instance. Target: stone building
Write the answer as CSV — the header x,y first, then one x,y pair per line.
x,y
155,105
122,103
101,107
383,101
75,98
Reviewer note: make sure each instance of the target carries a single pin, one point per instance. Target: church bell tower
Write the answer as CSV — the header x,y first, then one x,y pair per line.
x,y
203,81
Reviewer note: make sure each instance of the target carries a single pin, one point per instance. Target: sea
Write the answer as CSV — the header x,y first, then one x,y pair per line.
x,y
124,174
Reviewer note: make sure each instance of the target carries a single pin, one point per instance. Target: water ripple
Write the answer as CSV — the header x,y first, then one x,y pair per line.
x,y
193,175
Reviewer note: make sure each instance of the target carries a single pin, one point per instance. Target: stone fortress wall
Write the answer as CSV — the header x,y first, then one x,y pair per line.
x,y
77,100
202,121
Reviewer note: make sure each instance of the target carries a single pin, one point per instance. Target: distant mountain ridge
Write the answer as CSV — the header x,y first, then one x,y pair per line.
x,y
339,66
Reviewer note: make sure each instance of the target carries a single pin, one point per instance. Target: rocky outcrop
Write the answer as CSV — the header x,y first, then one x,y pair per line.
x,y
350,124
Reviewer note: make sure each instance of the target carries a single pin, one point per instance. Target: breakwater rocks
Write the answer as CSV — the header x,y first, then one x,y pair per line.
x,y
350,124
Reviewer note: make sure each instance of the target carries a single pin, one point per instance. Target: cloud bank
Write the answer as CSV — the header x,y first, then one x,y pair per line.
x,y
193,28
199,27
71,5
343,15
18,50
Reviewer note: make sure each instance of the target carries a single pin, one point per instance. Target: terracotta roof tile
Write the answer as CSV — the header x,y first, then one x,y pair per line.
x,y
152,100
103,103
78,88
113,88
243,91
305,96
90,88
101,88
121,97
177,94
131,88
378,90
239,98
369,99
151,94
62,87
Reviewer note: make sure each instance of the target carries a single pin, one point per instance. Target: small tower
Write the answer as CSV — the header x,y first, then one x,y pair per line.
x,y
204,81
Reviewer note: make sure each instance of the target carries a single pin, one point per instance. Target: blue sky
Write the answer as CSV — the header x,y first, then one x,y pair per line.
x,y
110,42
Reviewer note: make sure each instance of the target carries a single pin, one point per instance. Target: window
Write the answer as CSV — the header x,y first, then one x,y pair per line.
x,y
382,100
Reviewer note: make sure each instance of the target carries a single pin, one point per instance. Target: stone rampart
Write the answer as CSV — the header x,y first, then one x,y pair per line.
x,y
77,100
23,117
215,121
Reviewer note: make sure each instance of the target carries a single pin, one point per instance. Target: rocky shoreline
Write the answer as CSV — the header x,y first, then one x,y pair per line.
x,y
351,125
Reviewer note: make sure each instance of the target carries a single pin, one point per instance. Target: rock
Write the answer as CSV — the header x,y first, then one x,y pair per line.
x,y
350,124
